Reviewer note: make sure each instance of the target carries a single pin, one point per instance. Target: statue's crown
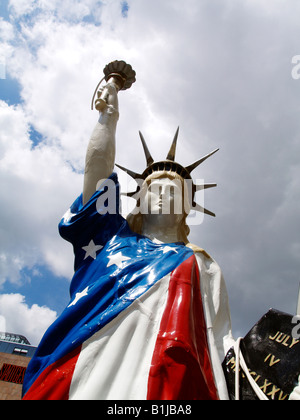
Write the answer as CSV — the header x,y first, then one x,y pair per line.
x,y
170,165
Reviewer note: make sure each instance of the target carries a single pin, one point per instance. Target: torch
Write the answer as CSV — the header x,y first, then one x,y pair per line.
x,y
120,74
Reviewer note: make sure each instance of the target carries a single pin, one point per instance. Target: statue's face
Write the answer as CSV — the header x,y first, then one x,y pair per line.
x,y
162,196
163,206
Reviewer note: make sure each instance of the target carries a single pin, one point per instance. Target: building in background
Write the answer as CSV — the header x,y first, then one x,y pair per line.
x,y
15,355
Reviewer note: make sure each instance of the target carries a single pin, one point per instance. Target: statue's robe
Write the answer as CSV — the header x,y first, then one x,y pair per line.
x,y
146,320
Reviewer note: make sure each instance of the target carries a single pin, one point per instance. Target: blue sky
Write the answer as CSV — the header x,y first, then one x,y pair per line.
x,y
4,9
220,70
10,90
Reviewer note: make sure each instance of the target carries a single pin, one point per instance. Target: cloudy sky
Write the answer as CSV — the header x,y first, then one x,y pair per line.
x,y
225,71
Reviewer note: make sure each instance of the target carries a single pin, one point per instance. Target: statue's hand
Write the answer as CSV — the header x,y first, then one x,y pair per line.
x,y
109,94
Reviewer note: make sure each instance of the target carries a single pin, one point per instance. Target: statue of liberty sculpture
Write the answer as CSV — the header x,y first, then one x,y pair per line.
x,y
148,316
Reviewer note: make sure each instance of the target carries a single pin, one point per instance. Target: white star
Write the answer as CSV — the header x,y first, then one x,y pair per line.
x,y
117,259
168,249
91,250
79,296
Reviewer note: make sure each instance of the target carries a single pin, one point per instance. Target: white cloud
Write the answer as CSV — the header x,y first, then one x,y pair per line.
x,y
69,10
2,324
7,35
7,32
21,7
21,319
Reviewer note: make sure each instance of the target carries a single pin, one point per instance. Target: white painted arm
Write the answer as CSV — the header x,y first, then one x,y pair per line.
x,y
295,395
100,156
217,316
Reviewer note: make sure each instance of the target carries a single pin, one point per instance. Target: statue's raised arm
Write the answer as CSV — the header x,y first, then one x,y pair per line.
x,y
100,156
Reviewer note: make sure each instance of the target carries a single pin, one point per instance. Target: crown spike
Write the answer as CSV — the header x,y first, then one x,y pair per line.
x,y
197,207
203,187
133,175
172,152
131,194
193,166
149,158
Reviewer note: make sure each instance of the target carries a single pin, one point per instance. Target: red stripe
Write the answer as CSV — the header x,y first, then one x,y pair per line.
x,y
55,381
181,367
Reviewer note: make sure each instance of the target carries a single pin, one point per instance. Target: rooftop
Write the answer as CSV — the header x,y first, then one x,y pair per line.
x,y
14,338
